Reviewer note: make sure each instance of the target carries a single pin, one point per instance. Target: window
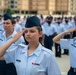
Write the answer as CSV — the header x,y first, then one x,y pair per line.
x,y
12,6
16,11
31,12
15,2
15,6
22,12
12,2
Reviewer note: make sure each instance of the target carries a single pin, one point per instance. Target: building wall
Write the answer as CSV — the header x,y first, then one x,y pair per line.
x,y
62,6
51,6
36,6
3,5
73,7
41,6
23,4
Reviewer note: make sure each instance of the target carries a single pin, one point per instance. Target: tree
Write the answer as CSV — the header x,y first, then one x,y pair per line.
x,y
9,11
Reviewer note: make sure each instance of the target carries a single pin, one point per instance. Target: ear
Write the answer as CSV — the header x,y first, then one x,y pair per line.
x,y
40,33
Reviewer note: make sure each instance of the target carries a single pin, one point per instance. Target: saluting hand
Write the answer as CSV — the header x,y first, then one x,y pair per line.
x,y
17,35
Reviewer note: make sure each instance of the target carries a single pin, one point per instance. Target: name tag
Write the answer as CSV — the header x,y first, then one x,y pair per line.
x,y
18,60
35,63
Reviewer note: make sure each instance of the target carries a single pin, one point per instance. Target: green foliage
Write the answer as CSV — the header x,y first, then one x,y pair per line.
x,y
10,11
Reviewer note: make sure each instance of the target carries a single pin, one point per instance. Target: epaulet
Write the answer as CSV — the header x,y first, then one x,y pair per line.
x,y
47,50
21,45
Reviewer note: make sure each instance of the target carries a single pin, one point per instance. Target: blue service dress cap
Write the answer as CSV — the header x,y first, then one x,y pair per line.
x,y
14,17
49,17
59,18
7,16
32,21
17,17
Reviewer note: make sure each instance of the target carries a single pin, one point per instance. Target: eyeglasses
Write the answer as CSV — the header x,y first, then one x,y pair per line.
x,y
6,23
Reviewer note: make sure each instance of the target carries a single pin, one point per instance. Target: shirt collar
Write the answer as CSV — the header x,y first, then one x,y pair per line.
x,y
12,35
36,52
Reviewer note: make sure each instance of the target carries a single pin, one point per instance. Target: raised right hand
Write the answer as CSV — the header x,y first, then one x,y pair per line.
x,y
18,35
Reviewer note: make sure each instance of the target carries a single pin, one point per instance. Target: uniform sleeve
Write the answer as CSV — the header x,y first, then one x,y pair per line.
x,y
9,56
53,68
55,30
71,25
63,28
64,43
43,30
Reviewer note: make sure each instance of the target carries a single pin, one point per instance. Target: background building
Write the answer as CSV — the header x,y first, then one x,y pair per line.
x,y
39,6
73,7
35,6
52,6
62,7
3,5
19,6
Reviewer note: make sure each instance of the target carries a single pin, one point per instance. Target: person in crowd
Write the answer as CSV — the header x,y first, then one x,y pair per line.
x,y
67,26
17,26
49,32
58,29
42,19
69,44
31,59
9,32
23,22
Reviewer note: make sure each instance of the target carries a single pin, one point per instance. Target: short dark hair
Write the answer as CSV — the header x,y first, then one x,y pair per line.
x,y
13,21
39,28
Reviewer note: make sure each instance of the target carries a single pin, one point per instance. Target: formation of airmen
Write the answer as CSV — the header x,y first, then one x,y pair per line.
x,y
54,26
51,27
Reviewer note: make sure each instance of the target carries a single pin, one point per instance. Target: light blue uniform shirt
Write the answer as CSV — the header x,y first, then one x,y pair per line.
x,y
59,28
43,30
67,26
70,44
17,27
41,62
4,39
73,25
49,29
23,25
